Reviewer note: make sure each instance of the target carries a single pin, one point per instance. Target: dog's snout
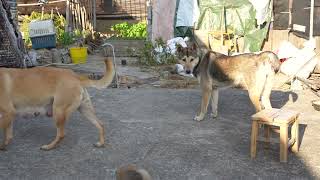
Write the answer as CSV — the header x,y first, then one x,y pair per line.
x,y
188,71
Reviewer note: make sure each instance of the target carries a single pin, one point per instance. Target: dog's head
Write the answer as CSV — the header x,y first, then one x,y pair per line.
x,y
188,57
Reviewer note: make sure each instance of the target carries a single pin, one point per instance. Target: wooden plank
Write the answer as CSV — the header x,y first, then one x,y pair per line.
x,y
285,116
38,4
265,115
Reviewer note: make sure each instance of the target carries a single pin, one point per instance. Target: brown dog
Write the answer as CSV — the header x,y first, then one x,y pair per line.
x,y
255,72
57,92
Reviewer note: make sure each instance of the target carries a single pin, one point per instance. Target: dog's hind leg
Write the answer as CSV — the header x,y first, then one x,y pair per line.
x,y
206,95
88,111
214,102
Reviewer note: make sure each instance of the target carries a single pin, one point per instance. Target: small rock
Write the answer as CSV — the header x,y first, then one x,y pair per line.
x,y
56,56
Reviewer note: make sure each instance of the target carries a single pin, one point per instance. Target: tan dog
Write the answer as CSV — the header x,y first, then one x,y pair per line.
x,y
255,72
57,92
131,172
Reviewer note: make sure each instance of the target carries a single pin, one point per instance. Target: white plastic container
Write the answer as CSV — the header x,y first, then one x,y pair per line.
x,y
42,34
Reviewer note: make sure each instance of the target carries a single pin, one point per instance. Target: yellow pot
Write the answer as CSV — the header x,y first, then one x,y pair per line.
x,y
79,55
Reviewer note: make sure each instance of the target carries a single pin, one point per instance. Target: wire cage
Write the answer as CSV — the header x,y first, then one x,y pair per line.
x,y
134,9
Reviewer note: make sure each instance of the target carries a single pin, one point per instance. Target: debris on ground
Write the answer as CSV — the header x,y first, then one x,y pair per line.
x,y
297,62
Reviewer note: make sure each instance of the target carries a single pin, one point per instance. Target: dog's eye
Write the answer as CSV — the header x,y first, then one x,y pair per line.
x,y
191,60
184,60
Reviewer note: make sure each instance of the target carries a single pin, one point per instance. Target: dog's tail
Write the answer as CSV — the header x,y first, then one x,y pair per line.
x,y
273,60
144,173
104,81
130,172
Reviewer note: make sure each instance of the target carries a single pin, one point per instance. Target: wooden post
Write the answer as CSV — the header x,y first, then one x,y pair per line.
x,y
311,19
283,142
94,12
254,137
67,16
149,19
295,135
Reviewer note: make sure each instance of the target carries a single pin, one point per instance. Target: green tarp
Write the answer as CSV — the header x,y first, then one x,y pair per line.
x,y
239,17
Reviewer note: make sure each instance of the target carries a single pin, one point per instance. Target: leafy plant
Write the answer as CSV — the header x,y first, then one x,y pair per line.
x,y
66,39
130,31
155,54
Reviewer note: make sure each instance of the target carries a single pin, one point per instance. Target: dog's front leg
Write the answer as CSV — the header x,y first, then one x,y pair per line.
x,y
214,102
206,95
8,134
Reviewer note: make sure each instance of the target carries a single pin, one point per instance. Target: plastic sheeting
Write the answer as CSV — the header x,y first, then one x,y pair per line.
x,y
188,13
262,9
241,17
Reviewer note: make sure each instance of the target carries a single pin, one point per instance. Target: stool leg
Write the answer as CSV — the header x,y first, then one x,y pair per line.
x,y
254,136
267,136
295,134
283,143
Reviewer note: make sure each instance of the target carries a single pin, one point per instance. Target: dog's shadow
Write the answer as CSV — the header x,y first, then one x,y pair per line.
x,y
280,98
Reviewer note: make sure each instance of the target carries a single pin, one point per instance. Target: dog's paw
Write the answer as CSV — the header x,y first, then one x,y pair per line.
x,y
3,148
45,148
98,145
198,118
214,115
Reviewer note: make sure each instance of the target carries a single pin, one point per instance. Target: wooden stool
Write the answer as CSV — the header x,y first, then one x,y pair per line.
x,y
276,118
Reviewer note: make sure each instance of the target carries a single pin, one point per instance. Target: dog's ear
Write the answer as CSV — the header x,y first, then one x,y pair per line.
x,y
179,48
194,47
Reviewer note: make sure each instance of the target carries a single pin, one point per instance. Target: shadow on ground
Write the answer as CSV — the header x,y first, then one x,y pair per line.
x,y
153,128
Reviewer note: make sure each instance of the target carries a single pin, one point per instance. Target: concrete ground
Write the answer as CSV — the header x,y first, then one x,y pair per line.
x,y
153,128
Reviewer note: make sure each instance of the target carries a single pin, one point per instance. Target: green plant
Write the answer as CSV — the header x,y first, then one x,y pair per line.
x,y
66,38
130,31
155,54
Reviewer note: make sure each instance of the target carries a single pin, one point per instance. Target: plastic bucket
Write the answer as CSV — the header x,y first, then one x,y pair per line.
x,y
78,55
